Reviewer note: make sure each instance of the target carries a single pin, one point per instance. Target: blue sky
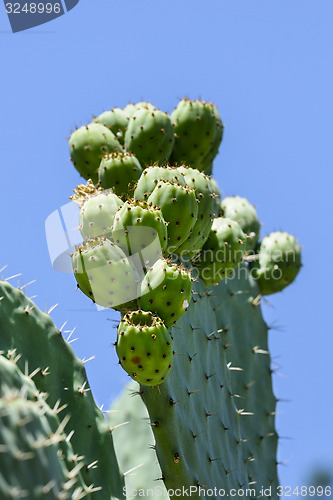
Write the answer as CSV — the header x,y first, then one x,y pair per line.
x,y
268,67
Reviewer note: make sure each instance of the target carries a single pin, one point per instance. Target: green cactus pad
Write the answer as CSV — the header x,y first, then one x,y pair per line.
x,y
241,210
213,418
197,133
97,214
179,207
279,262
150,136
152,175
105,274
166,290
120,172
30,339
144,347
36,460
116,120
87,147
137,225
134,443
222,252
200,232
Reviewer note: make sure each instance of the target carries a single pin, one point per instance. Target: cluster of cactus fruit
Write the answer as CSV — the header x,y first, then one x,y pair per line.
x,y
186,269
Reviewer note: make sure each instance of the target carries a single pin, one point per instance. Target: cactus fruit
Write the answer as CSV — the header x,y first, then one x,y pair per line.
x,y
200,232
241,210
136,226
166,290
88,145
97,214
179,207
144,347
222,252
132,108
279,262
116,120
198,133
133,440
152,175
217,212
150,136
207,164
105,274
120,172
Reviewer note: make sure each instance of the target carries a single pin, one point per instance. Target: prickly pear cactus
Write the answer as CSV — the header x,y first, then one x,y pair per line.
x,y
187,271
212,412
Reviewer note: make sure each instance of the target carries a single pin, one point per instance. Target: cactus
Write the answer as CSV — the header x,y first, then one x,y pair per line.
x,y
97,214
279,262
151,177
166,290
191,330
199,131
116,120
150,136
99,266
144,347
241,210
222,252
136,226
29,337
120,172
179,207
87,147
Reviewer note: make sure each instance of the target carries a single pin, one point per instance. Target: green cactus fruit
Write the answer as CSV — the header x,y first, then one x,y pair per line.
x,y
152,175
88,145
200,232
140,228
207,163
97,214
179,207
115,120
217,212
166,290
241,210
150,136
120,172
105,274
132,108
222,252
144,347
196,131
278,264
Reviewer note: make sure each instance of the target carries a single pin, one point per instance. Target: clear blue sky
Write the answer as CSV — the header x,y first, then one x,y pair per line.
x,y
268,67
